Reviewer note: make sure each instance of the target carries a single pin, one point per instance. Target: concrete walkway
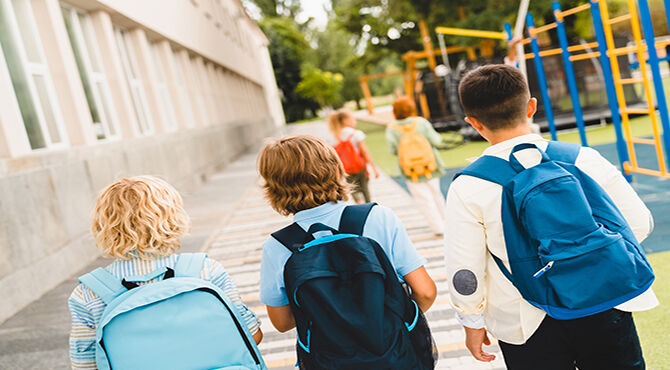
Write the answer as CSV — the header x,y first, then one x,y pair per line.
x,y
231,220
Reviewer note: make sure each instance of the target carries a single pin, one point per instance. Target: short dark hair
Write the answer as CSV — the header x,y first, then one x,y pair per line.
x,y
496,95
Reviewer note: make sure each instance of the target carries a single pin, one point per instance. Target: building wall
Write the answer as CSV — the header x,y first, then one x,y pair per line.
x,y
173,88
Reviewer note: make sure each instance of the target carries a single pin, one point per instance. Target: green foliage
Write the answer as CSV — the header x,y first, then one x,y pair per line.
x,y
322,87
288,51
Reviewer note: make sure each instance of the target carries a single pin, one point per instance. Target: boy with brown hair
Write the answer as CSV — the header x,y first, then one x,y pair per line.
x,y
498,105
304,177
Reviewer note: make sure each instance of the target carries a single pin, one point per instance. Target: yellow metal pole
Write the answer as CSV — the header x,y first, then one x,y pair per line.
x,y
367,95
637,35
471,33
427,44
616,73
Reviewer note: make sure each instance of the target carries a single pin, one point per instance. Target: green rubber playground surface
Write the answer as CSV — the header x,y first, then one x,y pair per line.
x,y
654,325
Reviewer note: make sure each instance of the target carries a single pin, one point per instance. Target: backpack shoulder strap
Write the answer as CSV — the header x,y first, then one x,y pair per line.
x,y
413,124
489,168
103,283
354,217
563,152
291,237
189,265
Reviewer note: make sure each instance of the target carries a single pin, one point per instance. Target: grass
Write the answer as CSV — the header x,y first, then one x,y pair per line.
x,y
652,325
457,157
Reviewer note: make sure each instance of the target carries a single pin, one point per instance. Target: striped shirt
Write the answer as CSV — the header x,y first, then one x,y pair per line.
x,y
86,307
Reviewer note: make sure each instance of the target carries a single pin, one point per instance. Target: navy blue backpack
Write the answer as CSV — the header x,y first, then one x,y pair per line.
x,y
570,250
351,311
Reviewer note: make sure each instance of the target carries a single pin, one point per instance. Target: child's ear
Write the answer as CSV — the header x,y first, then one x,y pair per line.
x,y
474,123
532,107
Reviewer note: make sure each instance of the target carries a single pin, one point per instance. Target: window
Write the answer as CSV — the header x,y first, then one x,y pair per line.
x,y
182,89
33,87
134,82
163,92
87,56
199,92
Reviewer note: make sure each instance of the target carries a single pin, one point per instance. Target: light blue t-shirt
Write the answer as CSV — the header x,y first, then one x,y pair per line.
x,y
382,225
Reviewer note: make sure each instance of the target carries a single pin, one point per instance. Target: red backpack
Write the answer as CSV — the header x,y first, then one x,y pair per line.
x,y
351,159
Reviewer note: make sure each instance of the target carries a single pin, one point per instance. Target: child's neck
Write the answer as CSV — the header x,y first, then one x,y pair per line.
x,y
508,134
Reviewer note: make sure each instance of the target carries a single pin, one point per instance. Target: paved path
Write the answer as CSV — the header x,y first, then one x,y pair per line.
x,y
231,219
238,247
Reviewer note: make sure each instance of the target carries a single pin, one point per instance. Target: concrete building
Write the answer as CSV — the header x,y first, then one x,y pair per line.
x,y
93,90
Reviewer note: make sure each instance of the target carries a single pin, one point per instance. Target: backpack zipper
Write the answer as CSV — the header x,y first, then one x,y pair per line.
x,y
541,271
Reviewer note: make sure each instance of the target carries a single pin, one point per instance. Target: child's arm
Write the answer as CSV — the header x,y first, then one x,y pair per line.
x,y
433,136
368,158
220,278
281,317
82,332
423,287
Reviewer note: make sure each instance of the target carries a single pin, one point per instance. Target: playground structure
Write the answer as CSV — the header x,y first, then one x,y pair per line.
x,y
608,53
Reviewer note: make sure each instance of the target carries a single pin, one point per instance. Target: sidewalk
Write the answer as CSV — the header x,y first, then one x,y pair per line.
x,y
37,336
231,220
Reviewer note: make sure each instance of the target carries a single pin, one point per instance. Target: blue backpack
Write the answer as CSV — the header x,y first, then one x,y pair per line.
x,y
350,310
179,322
570,250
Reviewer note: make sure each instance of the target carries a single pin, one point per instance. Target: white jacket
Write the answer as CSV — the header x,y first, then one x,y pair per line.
x,y
485,298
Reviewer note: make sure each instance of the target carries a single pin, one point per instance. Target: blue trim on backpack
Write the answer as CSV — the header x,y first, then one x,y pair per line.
x,y
326,239
309,333
411,326
562,313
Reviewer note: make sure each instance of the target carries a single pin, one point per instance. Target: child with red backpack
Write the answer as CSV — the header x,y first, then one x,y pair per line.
x,y
353,153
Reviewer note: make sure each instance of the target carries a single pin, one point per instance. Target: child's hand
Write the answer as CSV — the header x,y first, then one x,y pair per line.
x,y
374,170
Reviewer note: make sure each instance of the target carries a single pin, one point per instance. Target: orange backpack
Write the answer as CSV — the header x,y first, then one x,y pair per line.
x,y
351,159
415,153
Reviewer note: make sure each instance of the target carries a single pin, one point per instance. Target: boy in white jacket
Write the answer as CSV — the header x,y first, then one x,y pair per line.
x,y
498,105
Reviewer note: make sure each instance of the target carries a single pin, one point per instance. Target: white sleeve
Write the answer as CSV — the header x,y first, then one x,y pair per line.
x,y
359,136
465,255
623,195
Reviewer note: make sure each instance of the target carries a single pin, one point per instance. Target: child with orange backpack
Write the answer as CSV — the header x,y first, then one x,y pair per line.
x,y
413,139
353,153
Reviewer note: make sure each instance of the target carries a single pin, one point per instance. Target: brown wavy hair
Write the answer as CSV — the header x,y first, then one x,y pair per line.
x,y
301,172
139,217
403,107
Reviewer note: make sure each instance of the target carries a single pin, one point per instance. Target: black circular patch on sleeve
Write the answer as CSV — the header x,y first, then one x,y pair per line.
x,y
465,282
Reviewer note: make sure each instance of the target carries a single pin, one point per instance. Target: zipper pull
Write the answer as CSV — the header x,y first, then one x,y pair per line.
x,y
541,271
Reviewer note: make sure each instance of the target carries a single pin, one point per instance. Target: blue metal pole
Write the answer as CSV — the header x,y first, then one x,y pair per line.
x,y
661,103
508,30
612,100
541,77
569,72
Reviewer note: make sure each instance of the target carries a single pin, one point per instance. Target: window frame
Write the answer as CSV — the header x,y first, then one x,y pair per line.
x,y
182,88
135,83
102,95
36,68
160,79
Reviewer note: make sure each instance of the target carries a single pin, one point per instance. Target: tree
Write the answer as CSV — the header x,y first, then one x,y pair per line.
x,y
288,51
322,87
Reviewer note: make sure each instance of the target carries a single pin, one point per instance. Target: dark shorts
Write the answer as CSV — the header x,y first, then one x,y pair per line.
x,y
607,340
359,182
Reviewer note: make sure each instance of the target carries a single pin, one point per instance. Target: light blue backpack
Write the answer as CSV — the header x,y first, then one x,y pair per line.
x,y
179,322
570,250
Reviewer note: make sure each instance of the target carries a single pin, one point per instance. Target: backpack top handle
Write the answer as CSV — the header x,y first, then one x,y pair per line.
x,y
514,162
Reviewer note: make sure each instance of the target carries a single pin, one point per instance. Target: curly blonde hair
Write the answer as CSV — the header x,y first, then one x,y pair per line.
x,y
301,172
139,217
